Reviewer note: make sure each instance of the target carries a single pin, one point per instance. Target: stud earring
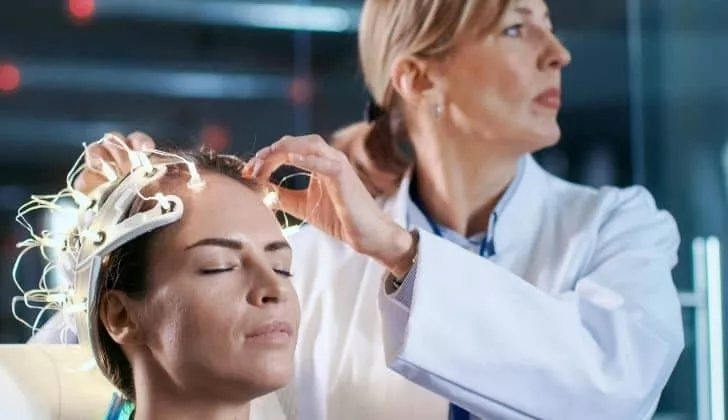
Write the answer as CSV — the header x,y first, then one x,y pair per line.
x,y
436,110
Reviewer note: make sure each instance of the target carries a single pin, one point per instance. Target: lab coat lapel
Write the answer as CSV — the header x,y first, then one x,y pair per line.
x,y
519,220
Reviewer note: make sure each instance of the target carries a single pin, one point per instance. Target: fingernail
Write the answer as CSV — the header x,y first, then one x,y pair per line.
x,y
257,166
249,164
262,153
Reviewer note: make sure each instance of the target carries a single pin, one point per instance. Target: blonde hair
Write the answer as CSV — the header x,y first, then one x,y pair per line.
x,y
423,28
390,29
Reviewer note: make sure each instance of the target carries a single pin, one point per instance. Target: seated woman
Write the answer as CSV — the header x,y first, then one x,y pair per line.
x,y
190,310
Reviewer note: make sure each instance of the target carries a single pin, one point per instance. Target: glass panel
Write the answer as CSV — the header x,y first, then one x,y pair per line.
x,y
679,400
678,64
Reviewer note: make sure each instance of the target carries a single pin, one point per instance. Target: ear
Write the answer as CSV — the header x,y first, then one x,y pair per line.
x,y
412,78
119,316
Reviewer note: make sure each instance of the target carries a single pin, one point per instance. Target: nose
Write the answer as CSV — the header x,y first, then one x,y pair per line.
x,y
555,56
268,287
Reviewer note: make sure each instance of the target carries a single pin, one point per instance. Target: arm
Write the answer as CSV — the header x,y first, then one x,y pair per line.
x,y
601,351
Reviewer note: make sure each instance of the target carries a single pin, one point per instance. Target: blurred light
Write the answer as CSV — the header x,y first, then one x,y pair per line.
x,y
238,13
215,137
9,77
150,81
81,9
301,91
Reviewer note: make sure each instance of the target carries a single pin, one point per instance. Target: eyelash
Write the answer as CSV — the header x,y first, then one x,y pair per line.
x,y
213,271
284,273
518,27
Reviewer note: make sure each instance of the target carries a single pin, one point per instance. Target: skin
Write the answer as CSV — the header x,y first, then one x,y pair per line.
x,y
218,275
487,90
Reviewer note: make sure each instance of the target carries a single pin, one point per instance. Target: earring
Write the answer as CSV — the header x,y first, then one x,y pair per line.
x,y
436,110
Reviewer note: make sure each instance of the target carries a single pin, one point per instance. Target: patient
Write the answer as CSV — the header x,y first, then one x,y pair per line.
x,y
198,318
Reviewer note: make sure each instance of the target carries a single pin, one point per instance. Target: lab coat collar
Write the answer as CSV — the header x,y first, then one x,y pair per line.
x,y
518,210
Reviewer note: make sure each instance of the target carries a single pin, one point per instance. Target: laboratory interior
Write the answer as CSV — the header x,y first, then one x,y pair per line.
x,y
645,102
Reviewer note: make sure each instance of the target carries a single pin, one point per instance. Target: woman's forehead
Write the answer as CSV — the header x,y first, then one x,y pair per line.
x,y
224,207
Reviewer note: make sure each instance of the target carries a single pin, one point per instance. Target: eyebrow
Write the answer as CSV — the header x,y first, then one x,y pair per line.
x,y
527,11
237,245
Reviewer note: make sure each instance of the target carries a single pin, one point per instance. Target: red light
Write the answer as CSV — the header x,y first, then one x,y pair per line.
x,y
215,137
300,91
9,77
81,9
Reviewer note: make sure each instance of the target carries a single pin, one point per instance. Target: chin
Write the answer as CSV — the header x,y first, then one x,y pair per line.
x,y
544,137
267,382
273,374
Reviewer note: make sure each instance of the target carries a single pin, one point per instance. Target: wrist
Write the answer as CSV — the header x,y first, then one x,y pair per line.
x,y
400,251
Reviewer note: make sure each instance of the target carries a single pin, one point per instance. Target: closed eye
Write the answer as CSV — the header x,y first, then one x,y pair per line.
x,y
212,271
283,273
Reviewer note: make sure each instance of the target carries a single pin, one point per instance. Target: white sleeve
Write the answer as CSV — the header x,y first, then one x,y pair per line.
x,y
55,331
497,346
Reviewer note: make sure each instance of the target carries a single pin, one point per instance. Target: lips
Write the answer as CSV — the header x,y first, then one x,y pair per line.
x,y
550,98
273,332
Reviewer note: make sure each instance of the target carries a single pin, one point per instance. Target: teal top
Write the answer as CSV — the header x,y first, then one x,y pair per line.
x,y
120,409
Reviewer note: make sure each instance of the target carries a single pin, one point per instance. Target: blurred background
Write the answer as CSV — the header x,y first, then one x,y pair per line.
x,y
646,102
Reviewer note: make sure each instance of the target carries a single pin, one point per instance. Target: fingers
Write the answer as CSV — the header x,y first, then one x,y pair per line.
x,y
293,202
306,152
113,150
116,145
94,154
141,141
320,165
87,181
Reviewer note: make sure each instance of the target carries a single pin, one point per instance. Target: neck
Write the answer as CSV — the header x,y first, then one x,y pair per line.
x,y
158,398
459,191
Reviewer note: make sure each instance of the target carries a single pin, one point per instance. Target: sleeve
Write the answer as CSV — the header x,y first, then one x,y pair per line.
x,y
403,293
603,350
55,331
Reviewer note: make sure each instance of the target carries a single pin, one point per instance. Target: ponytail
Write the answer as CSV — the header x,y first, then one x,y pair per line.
x,y
387,143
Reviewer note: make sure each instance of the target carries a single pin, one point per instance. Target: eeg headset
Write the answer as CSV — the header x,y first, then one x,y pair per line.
x,y
111,216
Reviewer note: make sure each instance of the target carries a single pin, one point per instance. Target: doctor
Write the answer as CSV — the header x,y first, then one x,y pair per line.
x,y
484,287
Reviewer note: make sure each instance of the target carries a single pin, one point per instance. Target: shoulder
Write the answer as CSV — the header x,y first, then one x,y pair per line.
x,y
618,217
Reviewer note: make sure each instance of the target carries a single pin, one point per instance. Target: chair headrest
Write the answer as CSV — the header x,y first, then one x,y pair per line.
x,y
43,382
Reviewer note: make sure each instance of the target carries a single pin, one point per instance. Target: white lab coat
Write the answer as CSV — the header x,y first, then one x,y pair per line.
x,y
576,317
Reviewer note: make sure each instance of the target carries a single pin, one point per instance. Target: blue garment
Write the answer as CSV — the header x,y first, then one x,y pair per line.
x,y
120,409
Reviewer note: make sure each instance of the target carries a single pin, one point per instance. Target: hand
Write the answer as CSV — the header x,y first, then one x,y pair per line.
x,y
112,153
336,200
351,141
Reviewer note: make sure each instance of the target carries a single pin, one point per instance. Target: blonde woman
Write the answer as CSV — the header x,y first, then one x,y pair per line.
x,y
483,280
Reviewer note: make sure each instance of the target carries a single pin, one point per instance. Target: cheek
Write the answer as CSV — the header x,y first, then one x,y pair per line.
x,y
509,83
165,319
179,319
492,87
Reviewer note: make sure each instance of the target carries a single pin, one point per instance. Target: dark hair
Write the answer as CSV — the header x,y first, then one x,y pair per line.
x,y
125,270
387,143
